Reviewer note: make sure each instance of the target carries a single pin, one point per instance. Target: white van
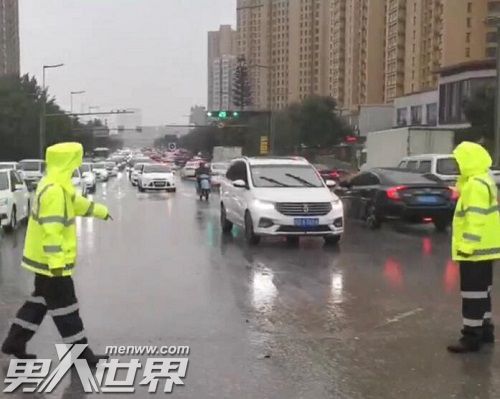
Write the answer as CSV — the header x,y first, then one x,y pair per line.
x,y
443,166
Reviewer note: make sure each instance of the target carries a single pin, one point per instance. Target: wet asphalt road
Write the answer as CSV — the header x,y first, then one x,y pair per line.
x,y
370,319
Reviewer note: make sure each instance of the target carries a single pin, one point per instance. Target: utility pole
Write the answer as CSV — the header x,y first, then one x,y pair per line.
x,y
41,138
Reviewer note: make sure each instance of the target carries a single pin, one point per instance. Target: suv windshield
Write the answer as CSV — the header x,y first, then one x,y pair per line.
x,y
99,166
7,166
4,181
447,166
156,169
285,176
30,166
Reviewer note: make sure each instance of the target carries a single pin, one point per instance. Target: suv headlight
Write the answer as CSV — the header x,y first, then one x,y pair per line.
x,y
336,201
4,201
264,205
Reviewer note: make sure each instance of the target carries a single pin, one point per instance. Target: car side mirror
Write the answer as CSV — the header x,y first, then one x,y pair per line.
x,y
19,187
240,183
330,183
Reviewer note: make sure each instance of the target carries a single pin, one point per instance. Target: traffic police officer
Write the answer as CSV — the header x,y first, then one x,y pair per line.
x,y
476,244
50,253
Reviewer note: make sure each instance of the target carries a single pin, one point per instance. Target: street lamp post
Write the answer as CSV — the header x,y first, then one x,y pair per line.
x,y
44,110
72,93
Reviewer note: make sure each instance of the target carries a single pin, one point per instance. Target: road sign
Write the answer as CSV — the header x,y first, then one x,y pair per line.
x,y
264,145
172,146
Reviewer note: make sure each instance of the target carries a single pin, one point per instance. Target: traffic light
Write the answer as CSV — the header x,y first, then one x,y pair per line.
x,y
223,115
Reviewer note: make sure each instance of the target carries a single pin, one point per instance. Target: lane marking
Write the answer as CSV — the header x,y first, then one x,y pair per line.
x,y
401,316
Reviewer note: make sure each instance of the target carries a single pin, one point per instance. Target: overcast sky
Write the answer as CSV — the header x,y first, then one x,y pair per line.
x,y
148,54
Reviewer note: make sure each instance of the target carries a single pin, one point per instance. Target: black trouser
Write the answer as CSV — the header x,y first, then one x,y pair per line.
x,y
55,296
476,279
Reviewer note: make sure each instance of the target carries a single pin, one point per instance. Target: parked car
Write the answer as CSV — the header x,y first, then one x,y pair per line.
x,y
156,177
14,199
100,171
385,194
9,165
218,171
189,170
279,197
79,182
443,166
32,170
89,177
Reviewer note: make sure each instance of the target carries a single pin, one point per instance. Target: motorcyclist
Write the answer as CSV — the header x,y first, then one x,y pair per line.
x,y
202,169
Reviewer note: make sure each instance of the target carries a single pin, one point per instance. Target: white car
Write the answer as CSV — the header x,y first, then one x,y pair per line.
x,y
89,177
156,177
79,183
444,166
218,170
100,171
134,173
189,170
14,199
280,197
9,165
111,168
32,170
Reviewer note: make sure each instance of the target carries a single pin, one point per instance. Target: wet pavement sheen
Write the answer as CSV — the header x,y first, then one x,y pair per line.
x,y
369,319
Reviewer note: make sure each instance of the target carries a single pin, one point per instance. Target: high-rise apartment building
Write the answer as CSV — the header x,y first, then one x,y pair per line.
x,y
357,51
220,43
222,77
9,37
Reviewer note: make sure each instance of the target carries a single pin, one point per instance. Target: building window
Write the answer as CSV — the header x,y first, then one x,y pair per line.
x,y
491,37
494,6
491,52
401,116
416,115
431,110
467,52
469,23
467,37
469,7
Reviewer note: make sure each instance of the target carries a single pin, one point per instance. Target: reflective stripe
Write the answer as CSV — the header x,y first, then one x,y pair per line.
x,y
90,211
74,338
52,249
44,266
487,315
474,294
478,210
472,322
37,299
25,324
488,251
53,219
39,199
64,311
471,237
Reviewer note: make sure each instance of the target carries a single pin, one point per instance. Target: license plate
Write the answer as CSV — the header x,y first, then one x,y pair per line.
x,y
306,222
428,199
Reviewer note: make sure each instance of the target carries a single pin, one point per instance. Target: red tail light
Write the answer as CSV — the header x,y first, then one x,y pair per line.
x,y
455,195
393,193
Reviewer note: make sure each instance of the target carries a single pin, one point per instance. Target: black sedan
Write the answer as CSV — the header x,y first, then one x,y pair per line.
x,y
386,194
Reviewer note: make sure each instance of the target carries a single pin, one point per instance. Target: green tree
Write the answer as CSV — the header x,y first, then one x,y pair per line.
x,y
480,112
242,92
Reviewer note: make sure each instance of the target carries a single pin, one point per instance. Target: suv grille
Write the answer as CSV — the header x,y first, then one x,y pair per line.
x,y
304,208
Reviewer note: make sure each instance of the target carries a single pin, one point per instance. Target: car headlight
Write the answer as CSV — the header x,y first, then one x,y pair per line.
x,y
336,201
3,201
264,205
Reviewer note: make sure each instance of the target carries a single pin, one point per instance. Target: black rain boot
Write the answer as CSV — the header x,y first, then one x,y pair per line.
x,y
470,342
15,343
488,332
91,358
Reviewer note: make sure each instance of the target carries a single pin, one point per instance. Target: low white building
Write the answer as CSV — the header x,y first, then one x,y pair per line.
x,y
416,109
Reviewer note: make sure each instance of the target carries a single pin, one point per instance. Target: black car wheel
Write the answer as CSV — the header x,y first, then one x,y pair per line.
x,y
293,241
250,236
226,225
331,240
372,219
13,222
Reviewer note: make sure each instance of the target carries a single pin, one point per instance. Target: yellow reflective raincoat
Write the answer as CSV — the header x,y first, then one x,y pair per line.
x,y
476,224
51,243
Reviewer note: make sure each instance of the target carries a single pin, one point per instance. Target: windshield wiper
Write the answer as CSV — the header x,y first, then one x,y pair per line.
x,y
300,179
271,180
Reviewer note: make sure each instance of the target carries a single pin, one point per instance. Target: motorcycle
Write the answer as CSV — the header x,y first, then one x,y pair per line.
x,y
204,188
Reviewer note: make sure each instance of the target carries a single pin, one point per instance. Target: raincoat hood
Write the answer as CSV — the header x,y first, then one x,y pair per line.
x,y
61,160
472,159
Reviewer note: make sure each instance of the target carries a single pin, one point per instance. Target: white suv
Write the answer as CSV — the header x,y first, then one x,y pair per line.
x,y
280,197
14,199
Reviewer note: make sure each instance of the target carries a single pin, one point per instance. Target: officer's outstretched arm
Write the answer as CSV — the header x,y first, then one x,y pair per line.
x,y
52,217
87,208
477,204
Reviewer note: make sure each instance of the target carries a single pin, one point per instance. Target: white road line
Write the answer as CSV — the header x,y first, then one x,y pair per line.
x,y
401,316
